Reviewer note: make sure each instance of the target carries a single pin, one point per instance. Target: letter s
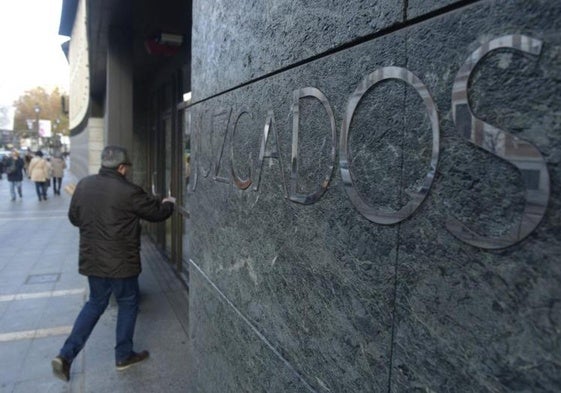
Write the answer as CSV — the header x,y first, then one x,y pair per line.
x,y
523,155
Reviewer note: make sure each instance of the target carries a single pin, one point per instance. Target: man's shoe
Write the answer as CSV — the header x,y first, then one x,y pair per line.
x,y
61,368
132,359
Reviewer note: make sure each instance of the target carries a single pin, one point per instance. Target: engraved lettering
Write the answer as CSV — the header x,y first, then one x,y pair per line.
x,y
521,154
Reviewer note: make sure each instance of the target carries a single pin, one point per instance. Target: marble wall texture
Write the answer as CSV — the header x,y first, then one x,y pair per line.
x,y
293,289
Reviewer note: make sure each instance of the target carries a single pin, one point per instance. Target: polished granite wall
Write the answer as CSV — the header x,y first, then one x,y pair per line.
x,y
320,297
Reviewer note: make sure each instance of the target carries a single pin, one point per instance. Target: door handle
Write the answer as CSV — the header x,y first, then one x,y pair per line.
x,y
184,212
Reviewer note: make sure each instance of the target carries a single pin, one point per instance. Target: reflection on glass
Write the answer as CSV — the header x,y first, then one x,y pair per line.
x,y
153,188
523,155
187,149
166,187
316,195
373,214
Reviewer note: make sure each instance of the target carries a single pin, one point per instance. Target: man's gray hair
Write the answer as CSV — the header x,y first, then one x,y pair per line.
x,y
113,156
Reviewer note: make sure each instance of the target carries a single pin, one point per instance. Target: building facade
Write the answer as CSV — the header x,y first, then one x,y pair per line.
x,y
372,202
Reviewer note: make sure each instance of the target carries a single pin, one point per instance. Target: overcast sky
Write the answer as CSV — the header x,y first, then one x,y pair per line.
x,y
31,55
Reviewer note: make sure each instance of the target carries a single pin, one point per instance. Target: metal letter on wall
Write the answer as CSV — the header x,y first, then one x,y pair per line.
x,y
199,128
313,197
239,183
371,213
195,121
523,155
227,112
273,153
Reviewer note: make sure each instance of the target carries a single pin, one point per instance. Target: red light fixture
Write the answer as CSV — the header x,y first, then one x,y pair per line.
x,y
164,44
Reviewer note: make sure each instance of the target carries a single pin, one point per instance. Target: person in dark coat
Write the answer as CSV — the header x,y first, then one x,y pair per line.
x,y
14,170
3,160
107,208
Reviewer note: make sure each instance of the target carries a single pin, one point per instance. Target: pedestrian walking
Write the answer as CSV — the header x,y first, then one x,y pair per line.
x,y
49,174
14,171
107,208
27,160
2,161
57,166
39,170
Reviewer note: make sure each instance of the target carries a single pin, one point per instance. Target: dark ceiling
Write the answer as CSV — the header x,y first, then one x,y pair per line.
x,y
141,20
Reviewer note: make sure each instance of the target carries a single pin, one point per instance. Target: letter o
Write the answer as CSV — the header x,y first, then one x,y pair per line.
x,y
371,213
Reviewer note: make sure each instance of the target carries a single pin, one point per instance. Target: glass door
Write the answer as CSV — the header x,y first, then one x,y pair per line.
x,y
185,116
170,176
167,176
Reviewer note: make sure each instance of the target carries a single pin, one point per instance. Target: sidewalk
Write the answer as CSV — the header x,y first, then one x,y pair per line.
x,y
41,294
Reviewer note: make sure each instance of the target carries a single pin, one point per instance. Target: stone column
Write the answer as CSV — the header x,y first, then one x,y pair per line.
x,y
119,85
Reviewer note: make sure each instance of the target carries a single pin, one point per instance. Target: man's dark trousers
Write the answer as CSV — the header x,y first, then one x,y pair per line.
x,y
126,293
